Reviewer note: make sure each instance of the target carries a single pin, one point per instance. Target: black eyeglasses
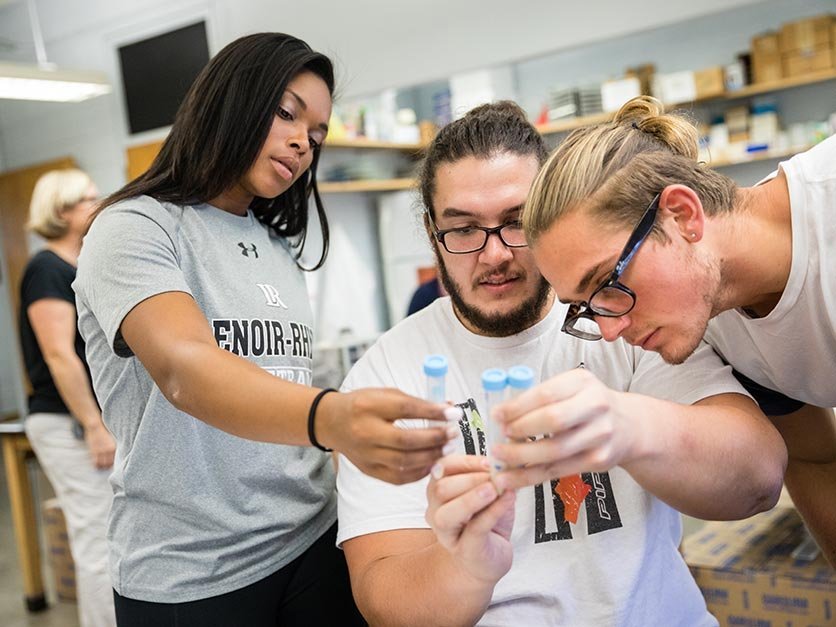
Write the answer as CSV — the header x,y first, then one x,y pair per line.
x,y
471,239
611,299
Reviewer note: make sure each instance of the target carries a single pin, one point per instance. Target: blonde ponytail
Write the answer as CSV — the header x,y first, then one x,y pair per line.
x,y
648,115
613,170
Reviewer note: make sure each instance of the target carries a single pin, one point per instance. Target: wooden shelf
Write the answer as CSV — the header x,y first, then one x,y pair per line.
x,y
382,185
388,185
784,83
362,142
764,155
562,126
570,124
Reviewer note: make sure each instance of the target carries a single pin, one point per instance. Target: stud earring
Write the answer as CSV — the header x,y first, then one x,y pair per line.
x,y
693,235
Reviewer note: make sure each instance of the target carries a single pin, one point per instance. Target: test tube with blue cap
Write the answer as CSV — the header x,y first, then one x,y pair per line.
x,y
435,368
494,382
520,379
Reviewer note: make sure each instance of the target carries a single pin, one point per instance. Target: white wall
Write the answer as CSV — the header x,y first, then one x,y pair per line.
x,y
384,43
375,43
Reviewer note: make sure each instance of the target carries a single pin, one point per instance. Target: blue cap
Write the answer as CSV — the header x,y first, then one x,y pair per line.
x,y
520,377
494,379
764,107
435,365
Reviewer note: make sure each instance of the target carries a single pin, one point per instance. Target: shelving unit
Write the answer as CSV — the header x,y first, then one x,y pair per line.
x,y
562,126
754,157
570,124
412,150
382,185
140,157
772,86
410,183
362,142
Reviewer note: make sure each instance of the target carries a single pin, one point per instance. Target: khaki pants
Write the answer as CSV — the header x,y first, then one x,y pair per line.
x,y
85,496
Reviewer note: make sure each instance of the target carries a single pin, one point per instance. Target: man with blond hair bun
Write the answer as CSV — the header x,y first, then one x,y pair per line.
x,y
652,247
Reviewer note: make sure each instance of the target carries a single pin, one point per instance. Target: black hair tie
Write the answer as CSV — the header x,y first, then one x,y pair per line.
x,y
312,416
636,126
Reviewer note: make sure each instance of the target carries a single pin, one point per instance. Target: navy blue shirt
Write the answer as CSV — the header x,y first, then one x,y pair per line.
x,y
423,296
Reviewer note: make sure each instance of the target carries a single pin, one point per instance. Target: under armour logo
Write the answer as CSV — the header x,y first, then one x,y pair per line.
x,y
245,250
272,295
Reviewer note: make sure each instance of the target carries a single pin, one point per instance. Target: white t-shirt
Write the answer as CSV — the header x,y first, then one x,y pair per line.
x,y
619,565
793,349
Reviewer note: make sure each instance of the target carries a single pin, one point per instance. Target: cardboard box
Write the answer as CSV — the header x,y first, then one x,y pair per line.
x,y
766,58
58,549
833,41
806,62
710,82
675,88
737,119
615,93
748,576
645,74
806,35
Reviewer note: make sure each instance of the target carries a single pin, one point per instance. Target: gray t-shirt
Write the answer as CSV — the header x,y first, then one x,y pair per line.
x,y
198,512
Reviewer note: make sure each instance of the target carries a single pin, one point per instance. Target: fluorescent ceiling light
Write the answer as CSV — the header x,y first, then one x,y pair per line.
x,y
31,82
45,81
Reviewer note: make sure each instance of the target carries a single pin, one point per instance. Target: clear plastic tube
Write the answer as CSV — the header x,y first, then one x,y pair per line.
x,y
494,384
520,379
435,369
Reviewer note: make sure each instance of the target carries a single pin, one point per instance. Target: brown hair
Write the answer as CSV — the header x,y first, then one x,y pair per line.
x,y
615,169
485,131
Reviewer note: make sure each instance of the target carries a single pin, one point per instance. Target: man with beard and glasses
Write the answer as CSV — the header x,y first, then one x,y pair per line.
x,y
587,515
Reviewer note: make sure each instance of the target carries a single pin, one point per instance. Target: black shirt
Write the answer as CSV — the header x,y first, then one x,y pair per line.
x,y
46,276
772,403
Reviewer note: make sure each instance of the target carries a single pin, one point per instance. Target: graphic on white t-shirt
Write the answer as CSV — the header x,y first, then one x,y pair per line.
x,y
592,490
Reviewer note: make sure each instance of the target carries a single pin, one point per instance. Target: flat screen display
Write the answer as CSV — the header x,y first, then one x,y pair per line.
x,y
157,73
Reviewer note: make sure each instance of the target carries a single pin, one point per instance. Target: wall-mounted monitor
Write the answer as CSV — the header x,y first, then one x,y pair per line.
x,y
157,72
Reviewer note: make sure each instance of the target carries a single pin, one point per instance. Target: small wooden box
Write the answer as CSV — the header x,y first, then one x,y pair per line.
x,y
766,58
710,82
808,35
803,62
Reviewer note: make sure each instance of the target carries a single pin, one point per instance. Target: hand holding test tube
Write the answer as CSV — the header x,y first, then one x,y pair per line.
x,y
591,428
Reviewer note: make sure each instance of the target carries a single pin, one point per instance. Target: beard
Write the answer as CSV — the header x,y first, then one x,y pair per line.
x,y
521,318
691,339
708,282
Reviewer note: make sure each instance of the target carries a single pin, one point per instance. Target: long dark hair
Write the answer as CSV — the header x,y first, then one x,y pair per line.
x,y
221,126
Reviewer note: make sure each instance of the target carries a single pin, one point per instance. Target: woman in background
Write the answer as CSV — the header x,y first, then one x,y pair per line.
x,y
64,423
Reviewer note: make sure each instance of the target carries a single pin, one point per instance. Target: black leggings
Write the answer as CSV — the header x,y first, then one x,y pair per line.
x,y
313,590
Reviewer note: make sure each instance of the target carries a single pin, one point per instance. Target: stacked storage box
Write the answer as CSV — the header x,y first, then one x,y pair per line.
x,y
806,46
